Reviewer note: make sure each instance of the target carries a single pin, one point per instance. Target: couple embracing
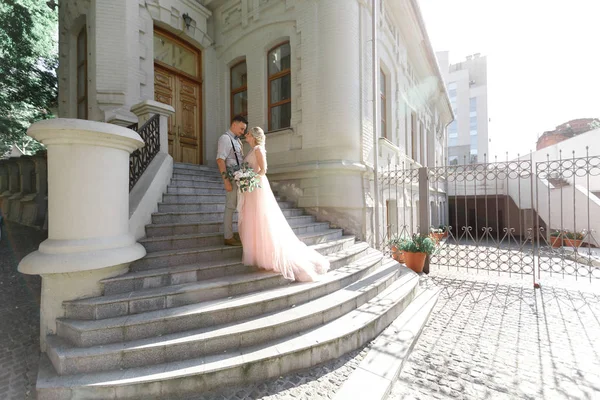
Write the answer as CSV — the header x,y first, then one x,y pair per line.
x,y
268,240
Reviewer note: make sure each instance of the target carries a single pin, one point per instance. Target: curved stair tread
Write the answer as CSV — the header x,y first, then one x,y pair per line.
x,y
263,361
289,295
213,264
210,340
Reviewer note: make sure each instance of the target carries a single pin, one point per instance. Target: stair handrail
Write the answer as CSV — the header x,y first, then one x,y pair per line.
x,y
141,158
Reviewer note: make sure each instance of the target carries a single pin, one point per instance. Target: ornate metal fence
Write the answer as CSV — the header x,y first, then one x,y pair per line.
x,y
528,217
141,158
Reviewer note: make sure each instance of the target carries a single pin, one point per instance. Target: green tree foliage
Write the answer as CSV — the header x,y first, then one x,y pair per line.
x,y
28,61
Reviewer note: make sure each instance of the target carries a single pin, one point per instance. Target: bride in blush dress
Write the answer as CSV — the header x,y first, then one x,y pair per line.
x,y
267,239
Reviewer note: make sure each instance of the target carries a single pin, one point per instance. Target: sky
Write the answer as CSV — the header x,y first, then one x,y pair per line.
x,y
543,61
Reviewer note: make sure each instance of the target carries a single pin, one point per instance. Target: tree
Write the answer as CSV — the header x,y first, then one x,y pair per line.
x,y
28,61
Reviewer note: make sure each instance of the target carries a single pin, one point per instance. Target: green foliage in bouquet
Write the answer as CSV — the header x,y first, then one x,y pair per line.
x,y
244,177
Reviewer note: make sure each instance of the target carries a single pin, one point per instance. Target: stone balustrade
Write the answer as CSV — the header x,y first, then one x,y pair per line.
x,y
24,190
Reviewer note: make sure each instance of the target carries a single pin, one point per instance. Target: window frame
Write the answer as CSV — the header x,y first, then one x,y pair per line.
x,y
276,76
383,103
82,35
233,92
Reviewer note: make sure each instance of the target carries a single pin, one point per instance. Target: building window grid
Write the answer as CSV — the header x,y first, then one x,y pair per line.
x,y
279,71
239,89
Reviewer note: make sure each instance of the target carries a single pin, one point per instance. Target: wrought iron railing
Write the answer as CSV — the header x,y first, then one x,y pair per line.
x,y
141,158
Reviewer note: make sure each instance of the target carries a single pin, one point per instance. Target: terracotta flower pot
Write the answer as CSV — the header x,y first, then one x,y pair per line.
x,y
556,241
415,261
437,237
397,255
571,242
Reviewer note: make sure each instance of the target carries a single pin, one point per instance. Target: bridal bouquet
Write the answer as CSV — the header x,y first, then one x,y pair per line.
x,y
244,176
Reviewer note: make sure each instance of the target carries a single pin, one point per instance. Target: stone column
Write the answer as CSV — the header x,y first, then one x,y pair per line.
x,y
13,186
88,206
16,200
3,176
34,204
146,109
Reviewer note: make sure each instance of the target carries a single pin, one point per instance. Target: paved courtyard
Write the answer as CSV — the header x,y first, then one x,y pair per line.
x,y
489,337
493,337
19,314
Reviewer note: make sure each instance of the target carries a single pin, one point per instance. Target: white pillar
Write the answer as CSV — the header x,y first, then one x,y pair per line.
x,y
146,109
88,207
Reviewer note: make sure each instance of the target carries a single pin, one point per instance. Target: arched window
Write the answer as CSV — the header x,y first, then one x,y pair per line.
x,y
279,86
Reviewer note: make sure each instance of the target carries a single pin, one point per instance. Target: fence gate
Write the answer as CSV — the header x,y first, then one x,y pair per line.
x,y
533,218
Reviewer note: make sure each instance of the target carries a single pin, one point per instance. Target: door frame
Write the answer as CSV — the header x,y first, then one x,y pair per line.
x,y
199,80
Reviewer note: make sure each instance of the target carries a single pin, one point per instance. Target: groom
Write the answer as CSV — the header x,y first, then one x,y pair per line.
x,y
229,154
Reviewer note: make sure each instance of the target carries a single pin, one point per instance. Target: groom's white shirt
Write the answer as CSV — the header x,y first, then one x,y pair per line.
x,y
226,152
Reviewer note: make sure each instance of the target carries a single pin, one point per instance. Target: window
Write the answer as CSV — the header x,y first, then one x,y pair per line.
x,y
473,104
382,108
239,89
473,123
474,142
175,55
452,94
82,103
413,136
280,87
473,156
452,128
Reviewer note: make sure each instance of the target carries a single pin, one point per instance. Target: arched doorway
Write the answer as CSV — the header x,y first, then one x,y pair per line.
x,y
178,83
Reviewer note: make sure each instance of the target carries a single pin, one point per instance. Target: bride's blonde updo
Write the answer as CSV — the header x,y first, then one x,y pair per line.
x,y
259,135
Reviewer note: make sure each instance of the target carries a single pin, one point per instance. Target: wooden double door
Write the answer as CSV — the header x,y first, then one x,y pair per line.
x,y
184,94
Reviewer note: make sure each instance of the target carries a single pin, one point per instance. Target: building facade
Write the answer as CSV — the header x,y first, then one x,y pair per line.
x,y
467,88
292,67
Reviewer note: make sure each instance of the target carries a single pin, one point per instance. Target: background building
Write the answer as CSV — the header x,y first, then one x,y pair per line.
x,y
467,88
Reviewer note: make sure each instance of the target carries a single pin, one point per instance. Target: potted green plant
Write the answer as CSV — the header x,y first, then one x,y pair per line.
x,y
572,239
556,238
416,250
395,243
436,234
444,229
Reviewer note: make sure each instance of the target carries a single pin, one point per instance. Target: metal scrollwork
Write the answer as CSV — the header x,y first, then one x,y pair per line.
x,y
141,158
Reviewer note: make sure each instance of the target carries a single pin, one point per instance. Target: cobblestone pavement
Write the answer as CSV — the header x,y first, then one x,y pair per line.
x,y
19,314
493,337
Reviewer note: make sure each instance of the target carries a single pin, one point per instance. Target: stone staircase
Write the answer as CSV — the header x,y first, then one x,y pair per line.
x,y
190,317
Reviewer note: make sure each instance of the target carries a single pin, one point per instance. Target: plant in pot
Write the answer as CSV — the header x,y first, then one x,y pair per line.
x,y
416,250
556,238
395,243
444,229
572,239
436,234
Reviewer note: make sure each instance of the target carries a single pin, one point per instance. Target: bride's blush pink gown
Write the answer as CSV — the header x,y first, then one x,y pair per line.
x,y
267,239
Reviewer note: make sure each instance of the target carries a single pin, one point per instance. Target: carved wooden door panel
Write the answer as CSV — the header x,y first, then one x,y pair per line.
x,y
188,120
164,92
184,95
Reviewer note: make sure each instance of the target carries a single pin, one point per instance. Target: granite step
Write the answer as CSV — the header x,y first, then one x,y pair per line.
x,y
174,229
163,243
195,167
195,190
266,360
213,340
87,333
213,184
205,207
160,277
191,176
157,298
199,198
173,217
